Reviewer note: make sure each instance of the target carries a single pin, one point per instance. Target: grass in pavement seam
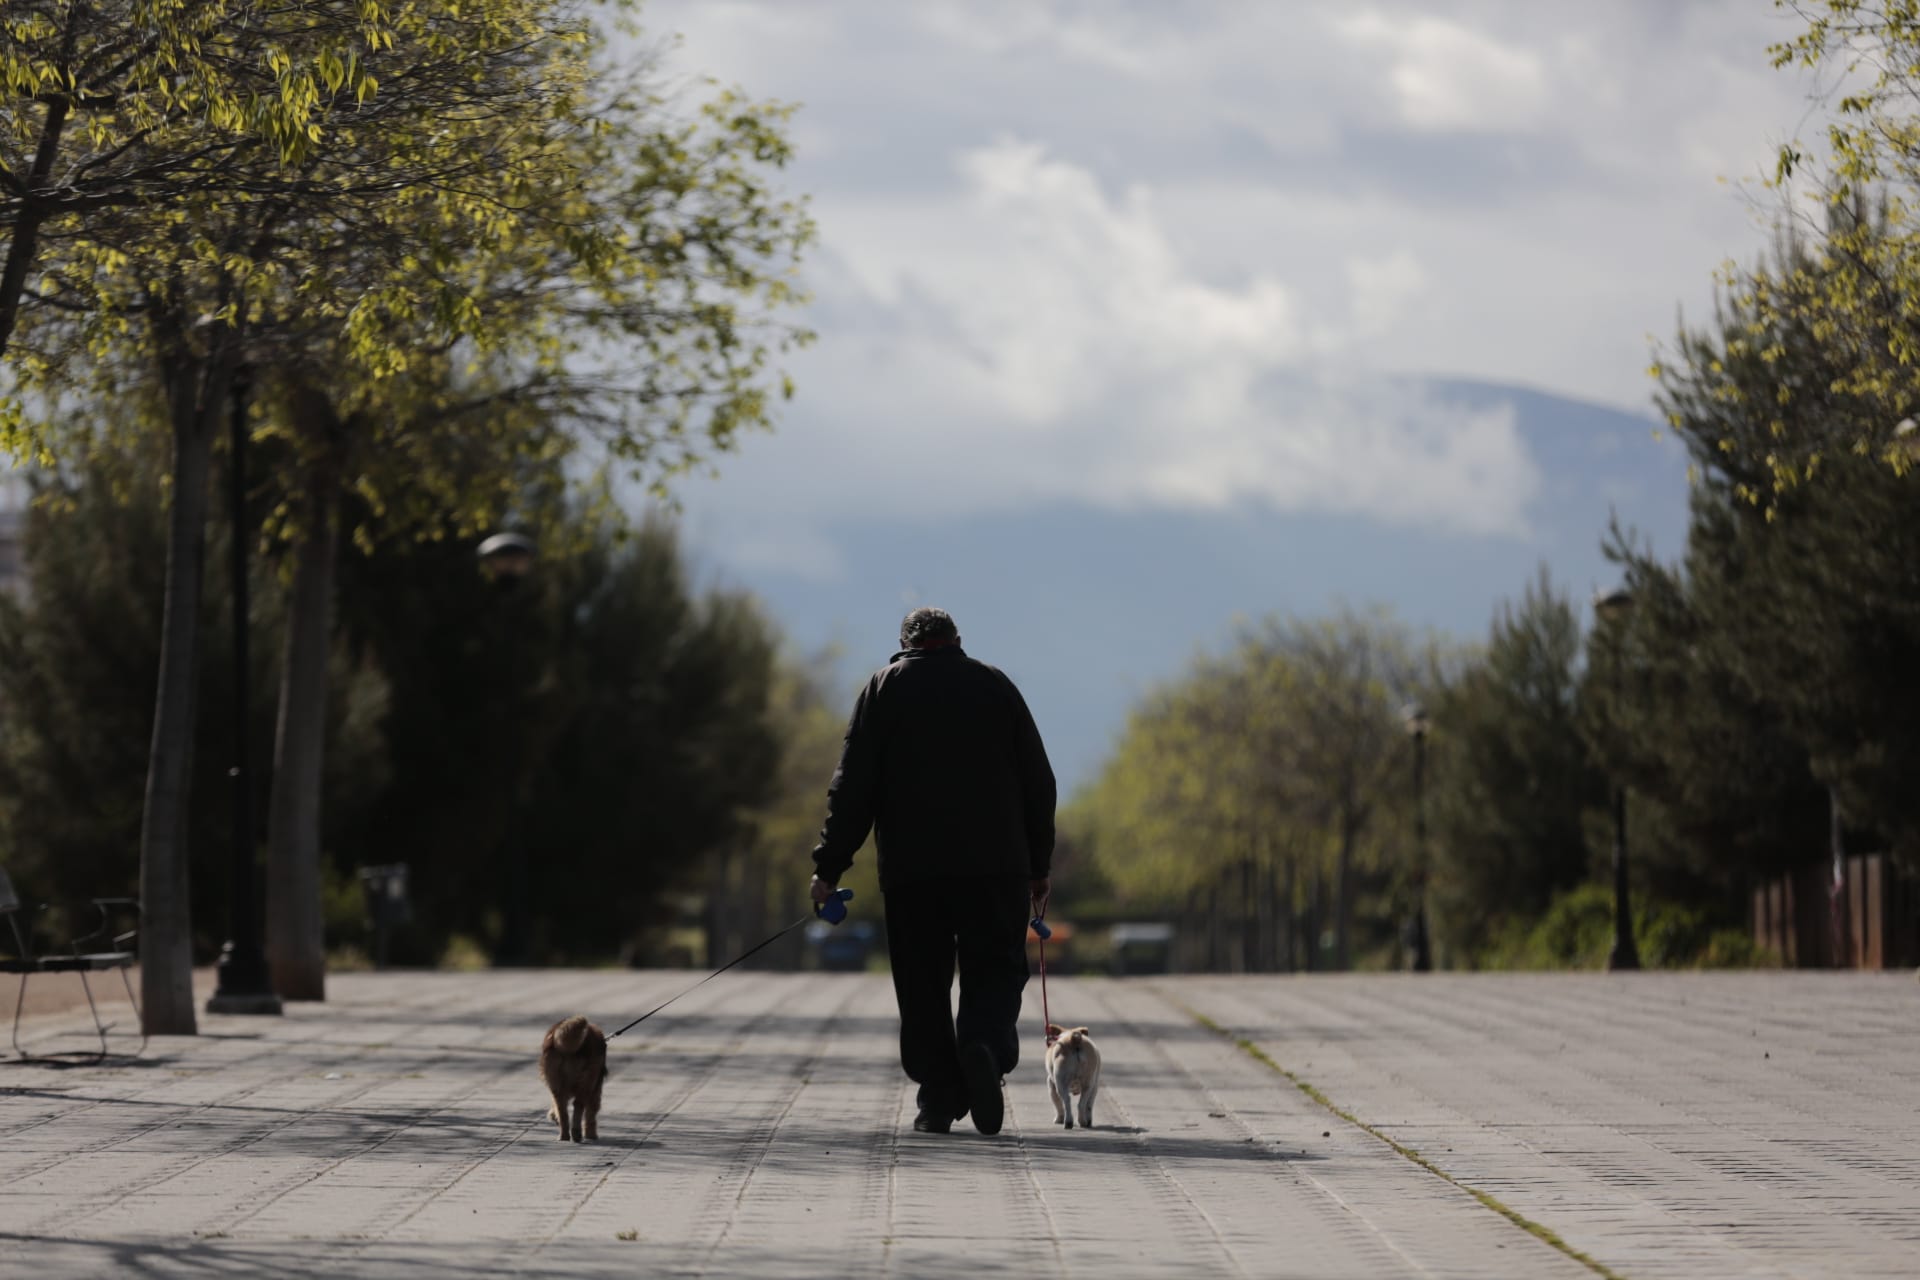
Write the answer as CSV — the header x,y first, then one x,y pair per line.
x,y
1492,1202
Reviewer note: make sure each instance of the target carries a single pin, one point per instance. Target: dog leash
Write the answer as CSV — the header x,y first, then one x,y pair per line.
x,y
833,911
1040,930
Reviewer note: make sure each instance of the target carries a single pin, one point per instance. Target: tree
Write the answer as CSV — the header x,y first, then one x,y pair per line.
x,y
1165,808
78,651
1722,782
1355,673
603,718
116,105
1513,777
659,237
454,172
566,748
1851,264
1282,758
757,883
1795,621
174,289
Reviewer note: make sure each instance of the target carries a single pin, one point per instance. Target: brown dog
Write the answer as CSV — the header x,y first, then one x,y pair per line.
x,y
573,1062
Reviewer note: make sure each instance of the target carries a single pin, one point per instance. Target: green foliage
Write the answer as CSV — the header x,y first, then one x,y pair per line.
x,y
1576,932
786,823
78,654
1736,949
1789,639
163,156
463,954
1671,936
152,76
1848,292
77,658
602,717
343,912
1287,756
482,247
1513,776
565,749
1238,782
445,244
758,882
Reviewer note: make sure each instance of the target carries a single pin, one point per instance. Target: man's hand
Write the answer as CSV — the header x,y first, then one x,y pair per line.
x,y
821,891
1040,889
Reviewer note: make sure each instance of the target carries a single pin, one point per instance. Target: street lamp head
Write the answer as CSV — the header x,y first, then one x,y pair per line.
x,y
1906,439
1613,605
1414,717
507,555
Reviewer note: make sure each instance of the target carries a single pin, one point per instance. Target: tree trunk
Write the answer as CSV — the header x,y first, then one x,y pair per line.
x,y
1249,917
1216,959
1290,915
1317,917
1268,926
296,945
166,925
719,907
25,242
1343,895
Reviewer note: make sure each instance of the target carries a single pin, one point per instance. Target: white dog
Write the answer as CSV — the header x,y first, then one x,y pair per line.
x,y
1073,1067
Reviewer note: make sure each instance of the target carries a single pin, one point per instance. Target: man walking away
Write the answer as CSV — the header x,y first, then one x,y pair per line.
x,y
943,763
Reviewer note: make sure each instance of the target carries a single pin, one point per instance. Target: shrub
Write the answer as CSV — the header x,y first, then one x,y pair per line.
x,y
1576,932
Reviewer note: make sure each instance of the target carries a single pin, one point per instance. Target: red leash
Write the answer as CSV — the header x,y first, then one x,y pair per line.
x,y
1041,931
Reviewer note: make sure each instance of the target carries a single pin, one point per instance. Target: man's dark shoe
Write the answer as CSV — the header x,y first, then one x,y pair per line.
x,y
984,1098
930,1121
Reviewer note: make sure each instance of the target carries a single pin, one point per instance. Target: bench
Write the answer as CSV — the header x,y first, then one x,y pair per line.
x,y
74,959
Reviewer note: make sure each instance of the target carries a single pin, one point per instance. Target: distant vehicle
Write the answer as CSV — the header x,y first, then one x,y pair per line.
x,y
843,948
1145,947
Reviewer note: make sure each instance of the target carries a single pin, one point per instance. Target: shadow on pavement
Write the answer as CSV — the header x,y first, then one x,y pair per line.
x,y
209,1258
406,1136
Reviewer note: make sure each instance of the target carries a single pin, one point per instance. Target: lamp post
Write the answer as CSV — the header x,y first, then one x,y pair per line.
x,y
507,555
1613,607
244,985
506,558
1906,443
1415,719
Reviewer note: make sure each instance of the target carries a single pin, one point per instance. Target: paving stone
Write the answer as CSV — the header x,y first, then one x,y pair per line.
x,y
1667,1125
1687,1125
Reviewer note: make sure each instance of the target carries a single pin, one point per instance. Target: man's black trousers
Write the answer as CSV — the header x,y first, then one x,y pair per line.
x,y
982,922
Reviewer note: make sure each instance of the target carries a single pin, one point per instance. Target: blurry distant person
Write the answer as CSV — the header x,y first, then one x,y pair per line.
x,y
943,763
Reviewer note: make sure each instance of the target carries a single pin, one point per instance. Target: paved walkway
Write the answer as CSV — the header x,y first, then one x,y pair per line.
x,y
1661,1125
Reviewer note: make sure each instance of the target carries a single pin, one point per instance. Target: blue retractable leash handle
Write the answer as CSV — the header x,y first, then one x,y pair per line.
x,y
833,911
1039,922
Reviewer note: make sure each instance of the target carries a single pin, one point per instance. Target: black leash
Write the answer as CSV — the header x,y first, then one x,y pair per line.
x,y
834,915
716,973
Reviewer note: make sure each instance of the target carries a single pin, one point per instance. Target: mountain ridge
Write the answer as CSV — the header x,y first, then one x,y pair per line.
x,y
1088,608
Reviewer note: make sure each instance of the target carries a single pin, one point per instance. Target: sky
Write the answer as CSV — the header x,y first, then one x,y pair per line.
x,y
1192,259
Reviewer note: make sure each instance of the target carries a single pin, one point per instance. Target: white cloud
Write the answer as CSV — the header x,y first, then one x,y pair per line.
x,y
1062,292
1198,255
1107,38
1383,288
1446,76
1032,339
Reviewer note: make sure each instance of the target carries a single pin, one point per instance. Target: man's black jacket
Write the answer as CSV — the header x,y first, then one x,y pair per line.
x,y
944,764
